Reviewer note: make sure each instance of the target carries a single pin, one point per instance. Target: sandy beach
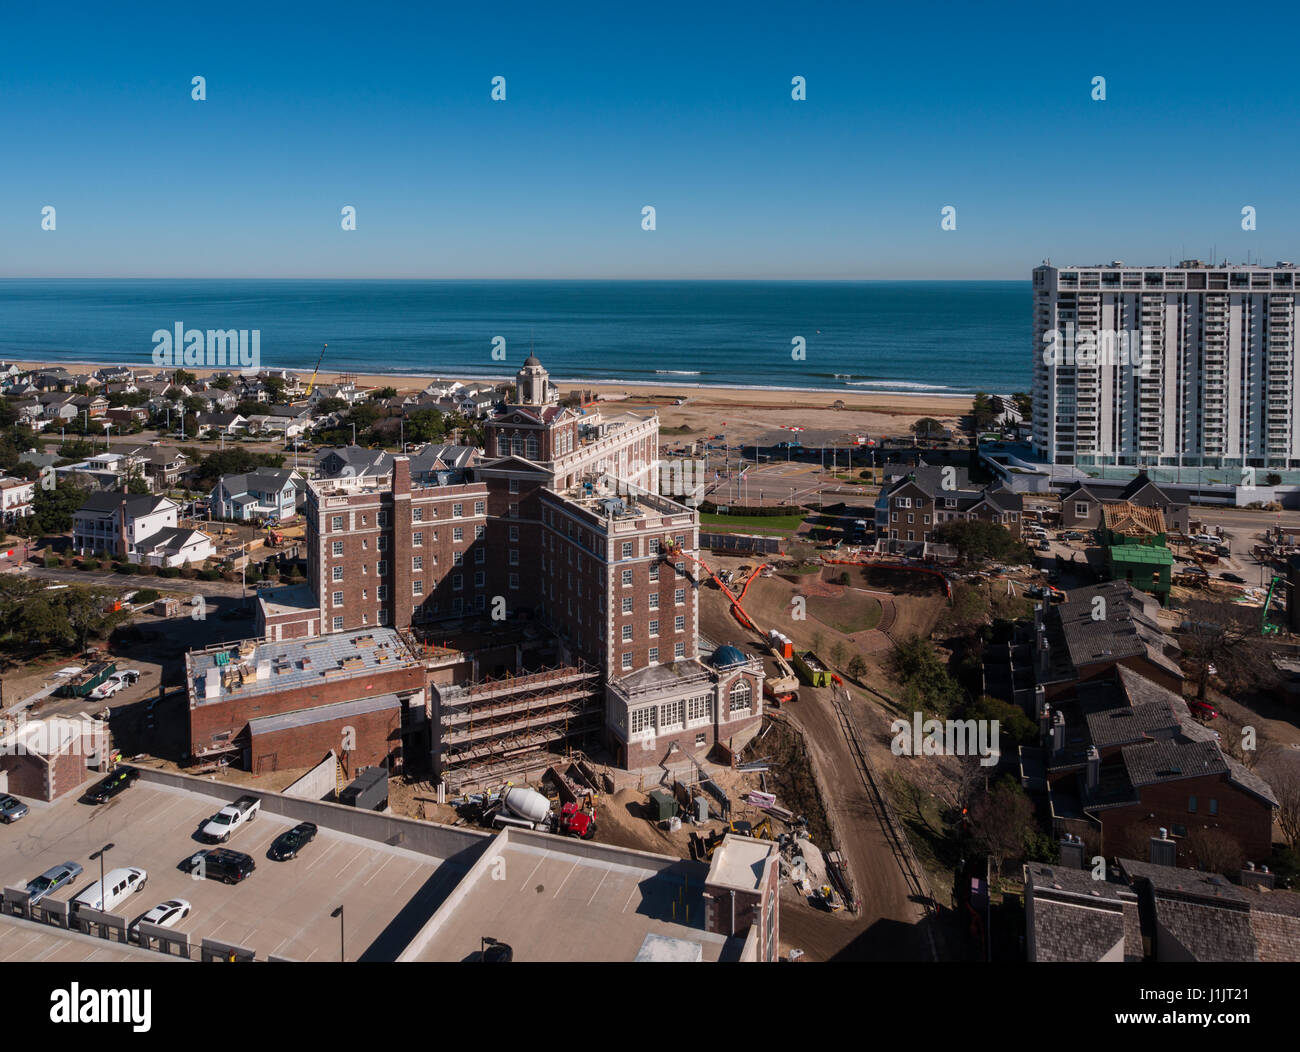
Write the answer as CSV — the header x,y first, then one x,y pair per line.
x,y
742,412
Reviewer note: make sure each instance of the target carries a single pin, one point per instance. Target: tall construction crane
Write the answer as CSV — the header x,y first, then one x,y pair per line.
x,y
312,383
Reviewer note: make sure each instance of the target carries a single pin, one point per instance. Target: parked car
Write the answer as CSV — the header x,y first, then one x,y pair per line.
x,y
115,783
220,826
107,689
128,676
120,882
166,915
1044,545
289,843
1072,535
11,808
1203,710
53,879
220,863
1234,578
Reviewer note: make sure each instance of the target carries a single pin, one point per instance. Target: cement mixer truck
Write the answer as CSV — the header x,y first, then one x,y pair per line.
x,y
525,808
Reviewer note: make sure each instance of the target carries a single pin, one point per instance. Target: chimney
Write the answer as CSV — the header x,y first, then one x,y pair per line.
x,y
1164,852
1044,661
1058,731
1040,702
401,475
122,535
1072,851
1094,767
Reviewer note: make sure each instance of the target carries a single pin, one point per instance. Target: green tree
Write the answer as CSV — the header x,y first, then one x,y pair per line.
x,y
52,509
927,427
980,541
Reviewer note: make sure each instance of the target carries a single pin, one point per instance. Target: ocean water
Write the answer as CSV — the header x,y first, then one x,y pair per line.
x,y
911,337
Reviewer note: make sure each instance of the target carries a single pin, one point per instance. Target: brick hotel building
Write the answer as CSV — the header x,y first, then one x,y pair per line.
x,y
560,524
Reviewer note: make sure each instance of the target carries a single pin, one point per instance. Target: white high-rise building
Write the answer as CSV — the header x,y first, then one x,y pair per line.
x,y
1193,365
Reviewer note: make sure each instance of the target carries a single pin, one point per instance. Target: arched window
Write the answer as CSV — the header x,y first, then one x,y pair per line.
x,y
517,445
503,445
741,696
532,447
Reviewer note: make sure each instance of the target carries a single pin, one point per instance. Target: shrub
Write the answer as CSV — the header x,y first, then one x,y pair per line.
x,y
169,571
146,595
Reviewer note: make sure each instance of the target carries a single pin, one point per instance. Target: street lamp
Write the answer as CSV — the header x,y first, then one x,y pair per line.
x,y
339,914
103,897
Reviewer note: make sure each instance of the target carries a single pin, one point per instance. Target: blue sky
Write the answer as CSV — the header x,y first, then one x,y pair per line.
x,y
683,107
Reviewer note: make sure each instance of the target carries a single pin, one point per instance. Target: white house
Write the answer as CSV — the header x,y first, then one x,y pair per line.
x,y
16,496
140,525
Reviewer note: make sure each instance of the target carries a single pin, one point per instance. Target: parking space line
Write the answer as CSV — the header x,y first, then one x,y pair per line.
x,y
572,869
376,873
533,871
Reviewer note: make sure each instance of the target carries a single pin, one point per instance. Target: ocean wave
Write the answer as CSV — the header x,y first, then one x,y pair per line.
x,y
901,384
678,372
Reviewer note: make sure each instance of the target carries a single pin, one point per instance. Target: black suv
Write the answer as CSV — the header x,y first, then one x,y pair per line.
x,y
105,790
220,863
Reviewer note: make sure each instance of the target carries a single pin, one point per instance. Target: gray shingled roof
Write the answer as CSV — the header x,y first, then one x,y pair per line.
x,y
1126,724
1075,917
1171,761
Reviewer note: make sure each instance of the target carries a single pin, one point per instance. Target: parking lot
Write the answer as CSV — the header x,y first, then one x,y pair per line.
x,y
283,909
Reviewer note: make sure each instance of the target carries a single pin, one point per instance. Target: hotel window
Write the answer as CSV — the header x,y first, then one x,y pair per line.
x,y
381,593
627,605
381,519
679,624
479,507
337,524
627,578
680,568
514,486
503,446
417,538
480,579
654,627
627,661
533,451
679,650
417,514
381,618
654,572
480,555
514,556
699,708
457,605
338,598
514,580
381,567
365,544
699,740
654,655
480,531
457,534
381,544
654,545
513,511
654,600
627,633
457,558
338,624
643,719
337,548
417,562
480,602
417,588
671,715
740,696
457,582
365,519
338,573
679,596
458,511
514,533
680,540
627,549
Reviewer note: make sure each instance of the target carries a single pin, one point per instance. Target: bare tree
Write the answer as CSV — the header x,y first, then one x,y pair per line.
x,y
1227,636
1281,768
1215,851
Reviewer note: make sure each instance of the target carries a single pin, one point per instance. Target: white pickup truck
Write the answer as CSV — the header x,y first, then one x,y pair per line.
x,y
218,828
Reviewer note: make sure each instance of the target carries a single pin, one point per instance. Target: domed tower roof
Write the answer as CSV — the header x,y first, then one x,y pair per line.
x,y
532,359
727,656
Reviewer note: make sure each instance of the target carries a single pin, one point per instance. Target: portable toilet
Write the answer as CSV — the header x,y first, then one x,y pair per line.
x,y
662,805
701,809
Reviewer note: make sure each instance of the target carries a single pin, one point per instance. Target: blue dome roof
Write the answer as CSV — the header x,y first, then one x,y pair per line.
x,y
726,656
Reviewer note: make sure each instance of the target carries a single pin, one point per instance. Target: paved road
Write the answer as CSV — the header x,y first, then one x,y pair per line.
x,y
110,579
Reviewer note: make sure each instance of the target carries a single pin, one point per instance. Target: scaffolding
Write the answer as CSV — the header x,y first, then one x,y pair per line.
x,y
493,729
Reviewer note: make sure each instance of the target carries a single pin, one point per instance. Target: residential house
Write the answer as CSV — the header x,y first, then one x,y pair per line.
x,y
267,493
16,496
143,527
1081,507
912,505
221,423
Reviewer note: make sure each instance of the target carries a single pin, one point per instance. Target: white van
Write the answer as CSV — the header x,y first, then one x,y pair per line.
x,y
120,883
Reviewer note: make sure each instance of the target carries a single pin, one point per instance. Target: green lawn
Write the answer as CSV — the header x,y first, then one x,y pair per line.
x,y
847,613
755,523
